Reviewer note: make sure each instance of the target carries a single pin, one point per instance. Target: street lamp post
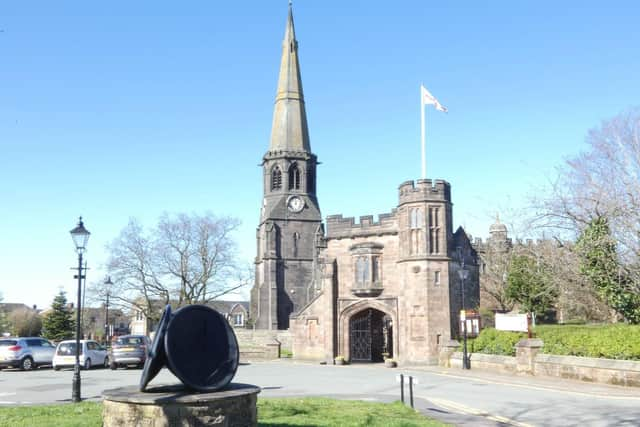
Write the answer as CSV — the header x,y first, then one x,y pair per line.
x,y
463,273
108,284
80,237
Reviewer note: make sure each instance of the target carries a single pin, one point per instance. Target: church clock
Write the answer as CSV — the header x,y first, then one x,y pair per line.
x,y
295,204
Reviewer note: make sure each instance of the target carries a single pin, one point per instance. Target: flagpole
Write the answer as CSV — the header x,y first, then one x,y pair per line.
x,y
424,156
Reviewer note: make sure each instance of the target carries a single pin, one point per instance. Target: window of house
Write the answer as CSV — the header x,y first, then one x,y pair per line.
x,y
294,177
276,178
436,278
238,319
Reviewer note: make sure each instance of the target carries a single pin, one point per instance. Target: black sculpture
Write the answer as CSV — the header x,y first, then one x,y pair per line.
x,y
198,346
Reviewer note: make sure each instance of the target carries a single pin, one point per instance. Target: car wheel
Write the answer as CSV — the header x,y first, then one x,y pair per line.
x,y
56,368
87,364
113,366
27,364
106,363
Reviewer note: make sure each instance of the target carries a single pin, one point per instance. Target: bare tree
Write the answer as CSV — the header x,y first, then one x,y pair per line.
x,y
603,181
185,259
493,278
576,300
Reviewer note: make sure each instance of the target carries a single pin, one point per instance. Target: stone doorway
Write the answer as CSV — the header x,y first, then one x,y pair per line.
x,y
370,336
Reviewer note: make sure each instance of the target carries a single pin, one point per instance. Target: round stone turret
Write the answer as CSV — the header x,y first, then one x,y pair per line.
x,y
498,231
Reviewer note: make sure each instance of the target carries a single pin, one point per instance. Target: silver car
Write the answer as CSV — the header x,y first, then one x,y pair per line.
x,y
25,353
91,354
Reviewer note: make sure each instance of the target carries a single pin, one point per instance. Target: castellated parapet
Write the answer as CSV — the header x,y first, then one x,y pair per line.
x,y
424,190
339,227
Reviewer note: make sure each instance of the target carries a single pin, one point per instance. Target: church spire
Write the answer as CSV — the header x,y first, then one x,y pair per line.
x,y
289,131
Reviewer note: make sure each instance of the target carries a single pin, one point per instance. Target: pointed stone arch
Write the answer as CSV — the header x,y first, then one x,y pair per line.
x,y
387,307
295,176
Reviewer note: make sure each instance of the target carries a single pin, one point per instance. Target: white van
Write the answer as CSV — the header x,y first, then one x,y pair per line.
x,y
91,354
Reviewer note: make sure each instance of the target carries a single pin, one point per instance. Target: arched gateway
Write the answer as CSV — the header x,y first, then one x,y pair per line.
x,y
370,336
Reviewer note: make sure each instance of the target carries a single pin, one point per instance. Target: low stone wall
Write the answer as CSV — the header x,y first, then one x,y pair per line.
x,y
269,351
261,345
260,337
608,371
489,362
529,361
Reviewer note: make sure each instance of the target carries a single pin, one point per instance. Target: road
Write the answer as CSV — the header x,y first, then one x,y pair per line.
x,y
464,398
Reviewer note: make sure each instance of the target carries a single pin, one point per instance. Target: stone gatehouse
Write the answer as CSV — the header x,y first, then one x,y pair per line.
x,y
362,289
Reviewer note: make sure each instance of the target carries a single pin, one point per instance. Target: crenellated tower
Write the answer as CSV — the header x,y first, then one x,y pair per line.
x,y
290,220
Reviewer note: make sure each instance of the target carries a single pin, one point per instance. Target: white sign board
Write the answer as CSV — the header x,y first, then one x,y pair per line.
x,y
511,322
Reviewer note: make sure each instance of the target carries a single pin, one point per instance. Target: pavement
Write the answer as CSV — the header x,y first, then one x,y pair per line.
x,y
459,397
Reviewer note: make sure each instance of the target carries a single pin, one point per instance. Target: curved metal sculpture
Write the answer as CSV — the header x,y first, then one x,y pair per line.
x,y
198,346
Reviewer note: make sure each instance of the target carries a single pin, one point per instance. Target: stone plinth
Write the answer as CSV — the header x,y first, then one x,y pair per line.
x,y
173,406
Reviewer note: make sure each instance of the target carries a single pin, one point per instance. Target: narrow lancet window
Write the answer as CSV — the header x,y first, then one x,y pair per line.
x,y
276,178
294,177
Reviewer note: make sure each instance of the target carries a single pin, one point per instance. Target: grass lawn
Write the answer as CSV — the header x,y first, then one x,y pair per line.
x,y
271,413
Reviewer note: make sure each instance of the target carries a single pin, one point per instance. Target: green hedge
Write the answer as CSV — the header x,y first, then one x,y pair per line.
x,y
618,341
492,341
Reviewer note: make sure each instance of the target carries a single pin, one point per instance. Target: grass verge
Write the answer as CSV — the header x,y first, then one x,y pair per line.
x,y
271,413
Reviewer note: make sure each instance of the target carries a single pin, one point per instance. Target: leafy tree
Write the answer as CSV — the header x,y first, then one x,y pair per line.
x,y
25,322
599,262
58,324
528,284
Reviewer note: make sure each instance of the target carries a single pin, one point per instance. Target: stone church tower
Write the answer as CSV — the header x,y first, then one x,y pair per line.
x,y
290,220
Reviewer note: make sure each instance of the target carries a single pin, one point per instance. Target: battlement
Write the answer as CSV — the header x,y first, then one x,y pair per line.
x,y
341,227
424,190
480,244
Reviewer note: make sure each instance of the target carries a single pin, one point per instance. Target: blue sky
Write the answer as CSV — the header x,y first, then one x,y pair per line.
x,y
130,109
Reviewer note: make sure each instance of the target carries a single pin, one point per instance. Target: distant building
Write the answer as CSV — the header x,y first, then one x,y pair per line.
x,y
236,313
363,290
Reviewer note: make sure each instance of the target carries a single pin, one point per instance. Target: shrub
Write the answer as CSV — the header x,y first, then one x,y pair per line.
x,y
492,341
617,341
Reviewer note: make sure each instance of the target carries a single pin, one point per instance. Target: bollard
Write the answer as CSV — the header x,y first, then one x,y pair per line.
x,y
402,388
411,391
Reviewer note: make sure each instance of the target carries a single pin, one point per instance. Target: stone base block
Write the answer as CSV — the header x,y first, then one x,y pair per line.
x,y
173,406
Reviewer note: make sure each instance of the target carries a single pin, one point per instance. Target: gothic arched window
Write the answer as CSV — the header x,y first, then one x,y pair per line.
x,y
276,178
294,177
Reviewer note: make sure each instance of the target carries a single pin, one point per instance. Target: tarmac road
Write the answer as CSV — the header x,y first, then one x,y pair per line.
x,y
464,398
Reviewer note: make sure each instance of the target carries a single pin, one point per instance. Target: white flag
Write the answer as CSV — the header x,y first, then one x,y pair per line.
x,y
428,99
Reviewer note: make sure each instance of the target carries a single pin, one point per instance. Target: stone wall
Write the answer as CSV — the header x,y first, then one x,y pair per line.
x,y
260,337
262,344
528,361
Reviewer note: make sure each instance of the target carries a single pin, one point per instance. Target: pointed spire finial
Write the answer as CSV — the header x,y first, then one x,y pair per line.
x,y
289,131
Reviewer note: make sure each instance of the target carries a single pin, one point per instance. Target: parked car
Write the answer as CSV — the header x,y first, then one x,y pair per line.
x,y
25,353
129,350
91,354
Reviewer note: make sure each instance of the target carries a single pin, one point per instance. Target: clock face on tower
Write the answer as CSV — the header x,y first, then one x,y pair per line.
x,y
295,204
